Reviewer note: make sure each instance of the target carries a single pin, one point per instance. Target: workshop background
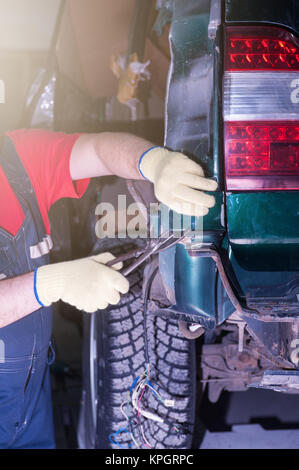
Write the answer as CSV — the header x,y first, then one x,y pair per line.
x,y
60,69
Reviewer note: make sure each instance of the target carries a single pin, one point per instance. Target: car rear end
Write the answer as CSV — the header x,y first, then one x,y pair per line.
x,y
261,139
233,105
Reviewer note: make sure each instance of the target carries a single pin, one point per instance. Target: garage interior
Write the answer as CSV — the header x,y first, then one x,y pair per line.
x,y
60,61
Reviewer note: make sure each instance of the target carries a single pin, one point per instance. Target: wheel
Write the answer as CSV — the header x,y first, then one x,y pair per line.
x,y
115,356
88,410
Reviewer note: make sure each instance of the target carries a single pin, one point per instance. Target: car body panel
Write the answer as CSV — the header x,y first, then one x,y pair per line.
x,y
190,110
282,13
256,232
263,227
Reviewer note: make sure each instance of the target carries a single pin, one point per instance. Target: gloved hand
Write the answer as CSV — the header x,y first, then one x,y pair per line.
x,y
177,180
86,283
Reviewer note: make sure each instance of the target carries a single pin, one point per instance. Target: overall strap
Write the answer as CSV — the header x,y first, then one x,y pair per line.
x,y
19,180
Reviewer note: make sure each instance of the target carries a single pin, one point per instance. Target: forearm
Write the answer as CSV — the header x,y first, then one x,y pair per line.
x,y
108,153
17,299
87,284
123,157
179,182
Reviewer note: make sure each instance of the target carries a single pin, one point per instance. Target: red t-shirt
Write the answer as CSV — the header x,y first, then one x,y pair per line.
x,y
46,158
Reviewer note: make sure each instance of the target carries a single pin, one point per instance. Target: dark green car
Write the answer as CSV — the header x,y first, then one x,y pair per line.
x,y
233,104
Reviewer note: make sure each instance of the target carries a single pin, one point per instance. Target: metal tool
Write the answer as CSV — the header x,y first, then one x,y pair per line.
x,y
155,246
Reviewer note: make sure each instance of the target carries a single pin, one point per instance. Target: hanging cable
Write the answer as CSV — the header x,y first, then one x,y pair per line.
x,y
145,303
137,392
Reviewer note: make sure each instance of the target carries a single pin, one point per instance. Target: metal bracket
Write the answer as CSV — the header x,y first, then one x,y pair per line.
x,y
215,18
235,319
209,251
279,381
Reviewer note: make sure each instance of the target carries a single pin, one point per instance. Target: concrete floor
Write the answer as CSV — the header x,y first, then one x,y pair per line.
x,y
251,436
256,419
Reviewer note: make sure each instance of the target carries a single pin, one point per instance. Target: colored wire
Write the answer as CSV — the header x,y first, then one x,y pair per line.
x,y
139,400
135,442
144,438
155,392
122,410
114,441
139,387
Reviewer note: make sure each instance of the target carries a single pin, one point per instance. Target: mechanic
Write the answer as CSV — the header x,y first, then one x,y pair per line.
x,y
37,168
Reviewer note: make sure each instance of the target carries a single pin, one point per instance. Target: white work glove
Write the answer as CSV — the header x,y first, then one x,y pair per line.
x,y
86,283
178,181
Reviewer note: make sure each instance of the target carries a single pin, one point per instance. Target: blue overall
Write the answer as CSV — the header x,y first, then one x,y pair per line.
x,y
26,420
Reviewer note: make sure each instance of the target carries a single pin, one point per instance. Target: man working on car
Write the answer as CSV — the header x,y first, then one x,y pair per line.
x,y
36,169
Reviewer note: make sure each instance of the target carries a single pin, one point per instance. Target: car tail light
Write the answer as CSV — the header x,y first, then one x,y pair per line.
x,y
261,108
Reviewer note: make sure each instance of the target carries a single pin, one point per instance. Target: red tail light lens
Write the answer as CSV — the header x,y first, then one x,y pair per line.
x,y
261,149
261,49
261,109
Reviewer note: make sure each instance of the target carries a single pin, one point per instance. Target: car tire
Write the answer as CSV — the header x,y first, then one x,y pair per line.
x,y
114,355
